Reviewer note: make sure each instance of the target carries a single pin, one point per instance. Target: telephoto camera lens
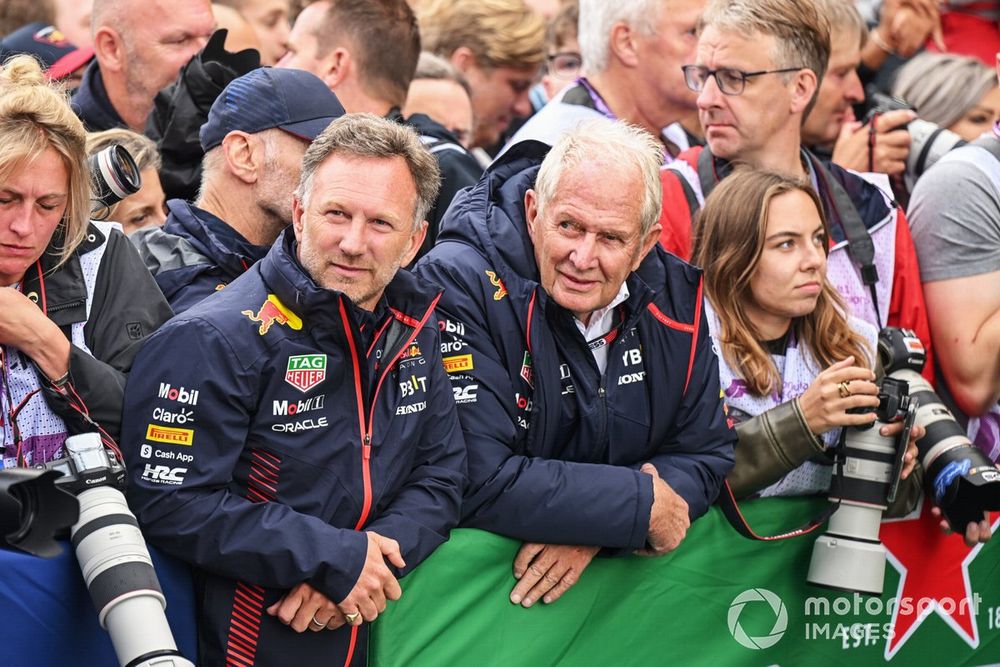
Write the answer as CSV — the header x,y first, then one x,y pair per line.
x,y
849,555
115,176
958,476
117,567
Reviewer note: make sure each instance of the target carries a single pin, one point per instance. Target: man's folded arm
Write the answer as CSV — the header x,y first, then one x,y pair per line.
x,y
699,451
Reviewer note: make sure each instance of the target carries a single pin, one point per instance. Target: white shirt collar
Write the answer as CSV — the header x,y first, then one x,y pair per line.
x,y
600,319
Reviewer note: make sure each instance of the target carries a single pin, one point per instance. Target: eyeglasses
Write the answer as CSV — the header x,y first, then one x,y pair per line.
x,y
564,65
730,81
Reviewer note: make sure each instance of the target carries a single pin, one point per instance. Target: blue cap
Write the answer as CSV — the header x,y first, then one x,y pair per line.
x,y
293,100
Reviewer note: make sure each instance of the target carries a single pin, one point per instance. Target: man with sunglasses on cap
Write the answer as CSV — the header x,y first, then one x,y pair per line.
x,y
257,131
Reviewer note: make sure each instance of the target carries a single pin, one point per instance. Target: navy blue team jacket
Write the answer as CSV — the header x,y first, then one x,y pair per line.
x,y
194,254
554,447
269,425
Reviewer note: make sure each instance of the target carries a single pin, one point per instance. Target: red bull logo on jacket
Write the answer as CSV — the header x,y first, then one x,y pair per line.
x,y
498,283
272,312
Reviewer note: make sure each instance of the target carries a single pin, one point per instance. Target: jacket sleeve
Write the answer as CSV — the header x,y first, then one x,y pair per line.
x,y
676,214
127,307
181,487
771,445
700,449
528,497
423,512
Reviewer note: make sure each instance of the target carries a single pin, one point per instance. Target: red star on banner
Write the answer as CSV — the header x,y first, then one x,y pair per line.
x,y
933,567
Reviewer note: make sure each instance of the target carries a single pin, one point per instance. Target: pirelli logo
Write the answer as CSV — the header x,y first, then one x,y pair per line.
x,y
171,436
462,362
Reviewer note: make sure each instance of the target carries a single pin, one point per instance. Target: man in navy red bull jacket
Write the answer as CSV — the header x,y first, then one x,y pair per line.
x,y
294,436
579,356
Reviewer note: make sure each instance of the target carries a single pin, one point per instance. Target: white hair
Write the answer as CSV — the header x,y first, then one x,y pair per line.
x,y
598,17
627,146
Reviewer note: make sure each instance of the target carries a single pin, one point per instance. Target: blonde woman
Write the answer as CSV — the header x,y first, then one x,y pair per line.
x,y
76,301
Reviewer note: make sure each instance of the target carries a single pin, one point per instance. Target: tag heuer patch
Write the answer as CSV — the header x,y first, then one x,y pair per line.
x,y
527,372
305,371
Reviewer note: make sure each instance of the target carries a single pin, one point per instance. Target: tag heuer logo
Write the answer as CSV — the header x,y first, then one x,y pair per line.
x,y
527,371
305,371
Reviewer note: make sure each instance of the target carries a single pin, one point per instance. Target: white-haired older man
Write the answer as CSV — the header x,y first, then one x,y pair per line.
x,y
633,51
579,357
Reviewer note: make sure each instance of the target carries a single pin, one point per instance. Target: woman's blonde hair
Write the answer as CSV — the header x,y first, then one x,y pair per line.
x,y
729,240
35,115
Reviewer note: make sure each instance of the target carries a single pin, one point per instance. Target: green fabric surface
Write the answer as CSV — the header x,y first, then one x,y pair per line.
x,y
675,610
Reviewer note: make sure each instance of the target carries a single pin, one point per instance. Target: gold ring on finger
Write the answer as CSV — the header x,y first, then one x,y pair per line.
x,y
352,616
844,389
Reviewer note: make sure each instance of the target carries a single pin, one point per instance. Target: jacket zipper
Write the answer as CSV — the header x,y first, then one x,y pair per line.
x,y
367,424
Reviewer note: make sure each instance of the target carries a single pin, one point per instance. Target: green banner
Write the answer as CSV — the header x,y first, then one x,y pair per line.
x,y
719,599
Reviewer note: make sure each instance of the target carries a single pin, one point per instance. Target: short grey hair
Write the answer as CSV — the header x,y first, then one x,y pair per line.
x,y
368,135
801,32
942,86
598,17
628,146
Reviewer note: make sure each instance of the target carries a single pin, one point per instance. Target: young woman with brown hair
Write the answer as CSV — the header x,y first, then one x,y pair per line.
x,y
792,362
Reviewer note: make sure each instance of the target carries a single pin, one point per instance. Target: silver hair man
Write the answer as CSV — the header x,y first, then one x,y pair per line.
x,y
367,135
626,145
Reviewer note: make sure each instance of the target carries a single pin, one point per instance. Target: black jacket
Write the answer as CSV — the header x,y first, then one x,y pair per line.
x,y
459,170
91,102
180,110
126,307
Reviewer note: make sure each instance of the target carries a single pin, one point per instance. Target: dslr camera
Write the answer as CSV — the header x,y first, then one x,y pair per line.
x,y
928,142
958,477
113,557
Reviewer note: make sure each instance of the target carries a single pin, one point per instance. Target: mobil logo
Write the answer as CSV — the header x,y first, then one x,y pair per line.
x,y
178,394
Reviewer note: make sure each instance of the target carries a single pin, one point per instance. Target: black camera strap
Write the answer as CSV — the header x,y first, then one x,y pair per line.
x,y
860,246
731,509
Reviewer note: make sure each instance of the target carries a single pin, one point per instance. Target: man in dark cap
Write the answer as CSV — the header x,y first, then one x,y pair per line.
x,y
256,134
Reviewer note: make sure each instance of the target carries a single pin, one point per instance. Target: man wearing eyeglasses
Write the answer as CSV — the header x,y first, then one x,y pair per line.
x,y
632,51
756,69
562,56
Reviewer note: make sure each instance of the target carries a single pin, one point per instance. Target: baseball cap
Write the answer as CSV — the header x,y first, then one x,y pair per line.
x,y
293,100
59,57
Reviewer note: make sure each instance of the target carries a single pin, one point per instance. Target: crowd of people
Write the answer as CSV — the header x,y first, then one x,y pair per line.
x,y
563,271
